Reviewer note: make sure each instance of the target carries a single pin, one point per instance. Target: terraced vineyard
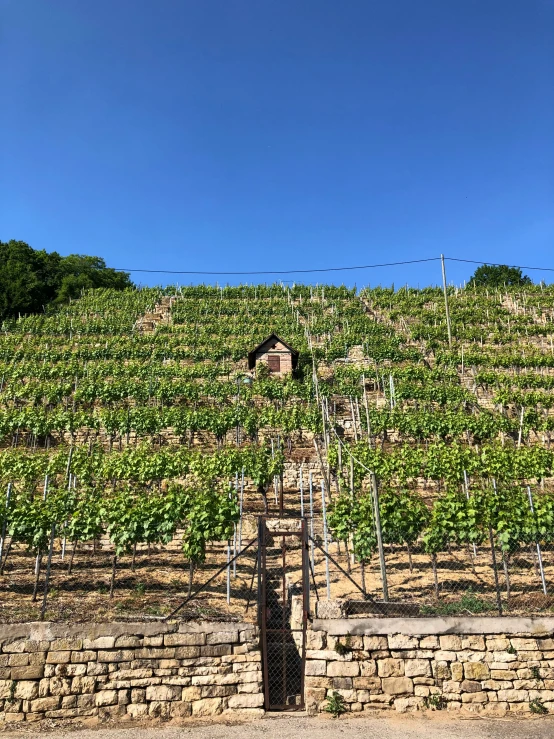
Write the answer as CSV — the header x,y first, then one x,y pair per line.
x,y
135,457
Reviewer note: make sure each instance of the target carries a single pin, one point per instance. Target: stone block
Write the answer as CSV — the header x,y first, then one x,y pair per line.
x,y
187,652
315,667
13,718
367,683
246,700
69,701
222,637
443,655
45,704
497,643
26,690
207,707
315,639
397,685
18,659
128,641
525,645
85,655
450,642
191,693
342,683
417,668
213,650
350,696
163,693
138,695
470,686
116,655
153,641
191,639
106,697
58,657
159,709
86,700
479,697
322,682
18,645
223,691
476,671
137,710
63,645
343,669
101,642
59,686
441,670
474,642
429,642
390,667
372,643
413,703
32,672
368,667
180,710
97,668
457,671
513,696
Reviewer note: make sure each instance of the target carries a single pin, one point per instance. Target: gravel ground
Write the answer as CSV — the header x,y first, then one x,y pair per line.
x,y
430,726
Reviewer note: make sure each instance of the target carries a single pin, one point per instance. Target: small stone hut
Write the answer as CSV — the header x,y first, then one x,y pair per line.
x,y
276,353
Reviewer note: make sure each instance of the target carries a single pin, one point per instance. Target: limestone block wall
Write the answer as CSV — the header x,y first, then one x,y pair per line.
x,y
481,665
128,670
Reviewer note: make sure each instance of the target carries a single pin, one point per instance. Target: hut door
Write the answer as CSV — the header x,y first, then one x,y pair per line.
x,y
274,362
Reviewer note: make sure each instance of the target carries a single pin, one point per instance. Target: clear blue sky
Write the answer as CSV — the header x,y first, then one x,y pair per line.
x,y
274,134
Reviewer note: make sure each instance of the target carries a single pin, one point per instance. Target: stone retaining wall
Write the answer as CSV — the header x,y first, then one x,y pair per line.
x,y
128,670
489,668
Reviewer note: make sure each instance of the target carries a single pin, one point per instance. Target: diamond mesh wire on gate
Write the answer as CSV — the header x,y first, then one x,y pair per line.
x,y
282,620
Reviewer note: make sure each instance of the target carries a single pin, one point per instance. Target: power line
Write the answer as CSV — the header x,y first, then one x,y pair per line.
x,y
275,272
326,269
498,264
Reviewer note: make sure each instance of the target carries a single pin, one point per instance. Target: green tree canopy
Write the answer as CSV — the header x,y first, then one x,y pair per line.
x,y
498,275
31,279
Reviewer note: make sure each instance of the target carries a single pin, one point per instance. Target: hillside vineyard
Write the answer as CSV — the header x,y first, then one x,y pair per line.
x,y
135,445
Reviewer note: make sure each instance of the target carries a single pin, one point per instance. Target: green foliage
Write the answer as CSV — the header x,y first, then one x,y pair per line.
x,y
436,702
469,603
403,514
498,275
537,706
30,279
336,705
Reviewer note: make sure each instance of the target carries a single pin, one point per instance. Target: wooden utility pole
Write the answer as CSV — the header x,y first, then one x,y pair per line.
x,y
449,329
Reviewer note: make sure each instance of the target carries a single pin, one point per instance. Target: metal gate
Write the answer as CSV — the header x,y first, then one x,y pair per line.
x,y
283,592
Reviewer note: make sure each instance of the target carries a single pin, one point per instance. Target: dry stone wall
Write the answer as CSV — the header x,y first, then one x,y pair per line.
x,y
55,671
489,673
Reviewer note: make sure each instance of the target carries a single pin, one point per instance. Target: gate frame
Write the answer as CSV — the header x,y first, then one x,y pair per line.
x,y
262,607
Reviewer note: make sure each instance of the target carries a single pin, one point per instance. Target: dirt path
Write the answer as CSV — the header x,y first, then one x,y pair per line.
x,y
432,726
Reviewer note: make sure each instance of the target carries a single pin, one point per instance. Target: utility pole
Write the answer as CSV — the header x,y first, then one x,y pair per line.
x,y
446,303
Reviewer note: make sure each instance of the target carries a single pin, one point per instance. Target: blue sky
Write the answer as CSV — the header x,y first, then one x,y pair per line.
x,y
280,134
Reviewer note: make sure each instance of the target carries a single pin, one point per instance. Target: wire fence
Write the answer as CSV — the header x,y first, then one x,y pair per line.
x,y
86,583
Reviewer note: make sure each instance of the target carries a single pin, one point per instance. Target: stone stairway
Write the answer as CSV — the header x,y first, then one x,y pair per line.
x,y
149,322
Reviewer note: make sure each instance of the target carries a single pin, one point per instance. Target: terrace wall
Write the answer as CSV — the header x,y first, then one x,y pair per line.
x,y
128,670
483,665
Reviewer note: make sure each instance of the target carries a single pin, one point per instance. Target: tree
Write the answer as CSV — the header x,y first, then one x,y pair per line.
x,y
31,279
498,275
